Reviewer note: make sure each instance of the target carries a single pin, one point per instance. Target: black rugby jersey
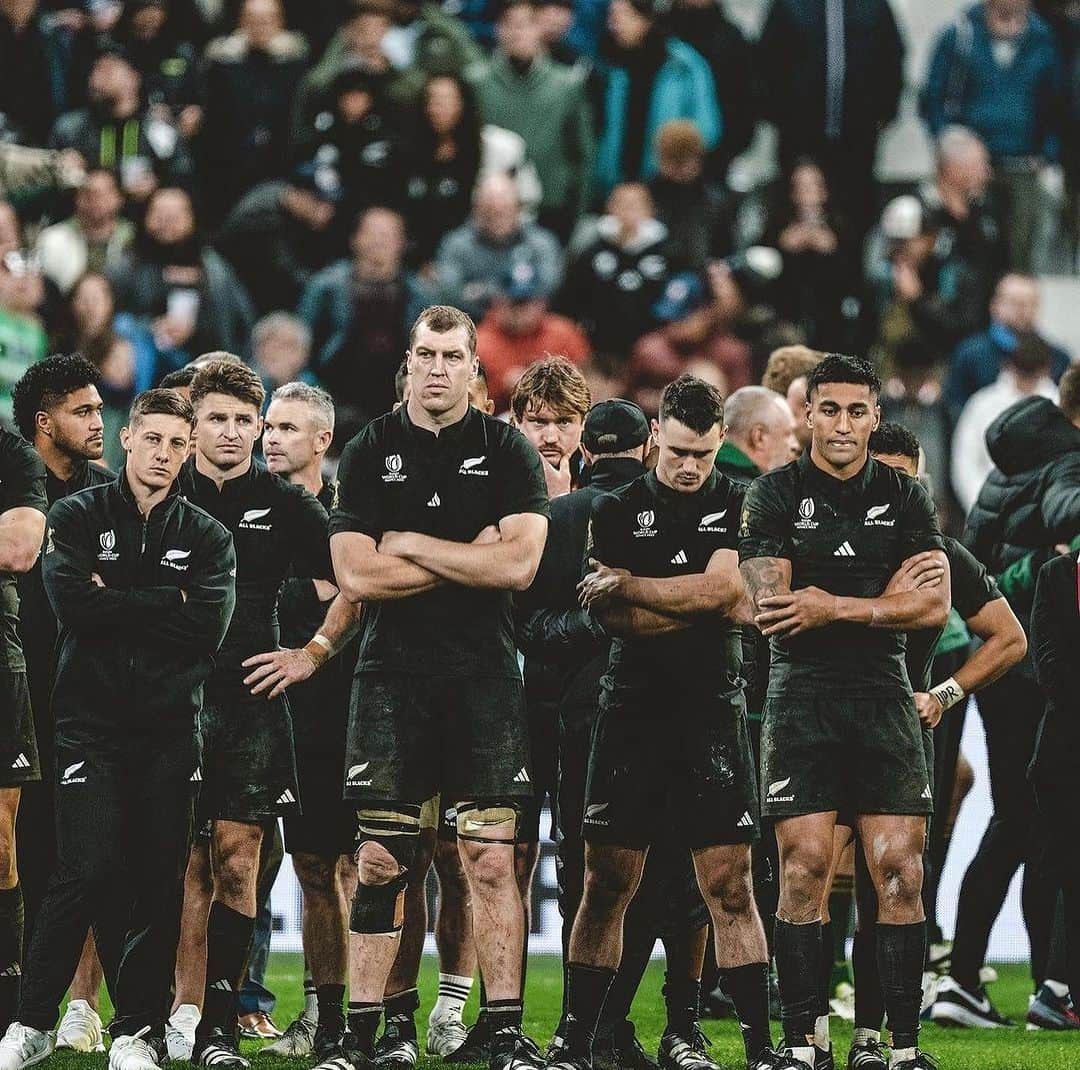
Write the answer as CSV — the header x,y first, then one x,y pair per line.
x,y
847,537
657,532
22,486
395,476
278,530
972,588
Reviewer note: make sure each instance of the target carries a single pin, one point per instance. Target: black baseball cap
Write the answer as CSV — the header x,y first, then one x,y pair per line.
x,y
614,426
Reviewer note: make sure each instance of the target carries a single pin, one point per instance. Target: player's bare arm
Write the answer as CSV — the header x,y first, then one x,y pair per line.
x,y
616,615
507,563
21,532
765,577
366,573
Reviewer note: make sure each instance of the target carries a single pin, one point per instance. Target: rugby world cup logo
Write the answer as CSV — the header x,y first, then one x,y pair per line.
x,y
806,508
108,540
393,463
646,518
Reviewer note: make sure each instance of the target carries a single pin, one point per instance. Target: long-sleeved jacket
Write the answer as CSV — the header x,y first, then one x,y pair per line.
x,y
133,655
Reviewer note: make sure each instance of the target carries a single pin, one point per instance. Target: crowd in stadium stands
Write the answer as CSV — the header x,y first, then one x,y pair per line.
x,y
173,173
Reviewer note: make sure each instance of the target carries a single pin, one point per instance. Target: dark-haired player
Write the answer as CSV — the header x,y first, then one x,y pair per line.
x,y
22,525
58,411
663,578
441,513
142,582
249,767
820,541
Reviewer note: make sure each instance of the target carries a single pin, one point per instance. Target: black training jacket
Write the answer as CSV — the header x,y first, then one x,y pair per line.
x,y
133,656
1031,500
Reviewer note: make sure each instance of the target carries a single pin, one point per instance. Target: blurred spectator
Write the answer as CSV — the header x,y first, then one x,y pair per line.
x,y
116,130
359,312
820,259
187,294
360,136
694,211
473,259
786,372
118,345
519,329
33,82
95,238
928,289
555,20
427,41
248,83
613,282
978,360
281,350
151,33
911,395
1025,372
705,25
831,73
23,337
996,70
701,319
26,172
759,434
443,164
522,89
649,79
282,232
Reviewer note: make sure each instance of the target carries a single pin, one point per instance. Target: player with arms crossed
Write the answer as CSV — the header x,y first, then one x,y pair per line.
x,y
663,577
441,513
820,540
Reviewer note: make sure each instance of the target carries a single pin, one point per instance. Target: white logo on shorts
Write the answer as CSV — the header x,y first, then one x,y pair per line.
x,y
522,776
745,822
354,772
69,776
596,808
286,797
22,762
778,786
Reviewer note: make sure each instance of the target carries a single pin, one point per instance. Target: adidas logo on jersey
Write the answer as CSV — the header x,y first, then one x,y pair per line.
x,y
680,558
844,550
22,762
522,776
196,777
286,797
745,822
434,501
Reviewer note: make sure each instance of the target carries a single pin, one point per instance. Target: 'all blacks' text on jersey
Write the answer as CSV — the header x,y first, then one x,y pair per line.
x,y
847,537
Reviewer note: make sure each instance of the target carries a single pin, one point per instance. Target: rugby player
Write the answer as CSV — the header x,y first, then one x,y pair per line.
x,y
22,524
142,582
58,409
442,512
820,540
663,577
249,767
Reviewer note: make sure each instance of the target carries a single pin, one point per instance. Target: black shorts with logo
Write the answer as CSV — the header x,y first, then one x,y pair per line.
x,y
248,762
669,767
855,755
543,749
18,744
411,737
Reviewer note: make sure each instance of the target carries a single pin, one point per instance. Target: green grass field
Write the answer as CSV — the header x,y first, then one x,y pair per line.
x,y
1006,1049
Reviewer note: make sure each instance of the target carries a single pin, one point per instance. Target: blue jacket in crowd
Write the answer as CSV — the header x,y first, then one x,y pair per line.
x,y
683,89
1014,108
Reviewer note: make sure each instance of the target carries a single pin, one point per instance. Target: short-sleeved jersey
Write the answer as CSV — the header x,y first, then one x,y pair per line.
x,y
972,588
278,530
395,476
654,531
22,486
847,537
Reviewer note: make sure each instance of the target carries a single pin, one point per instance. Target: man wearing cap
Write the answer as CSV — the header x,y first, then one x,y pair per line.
x,y
520,328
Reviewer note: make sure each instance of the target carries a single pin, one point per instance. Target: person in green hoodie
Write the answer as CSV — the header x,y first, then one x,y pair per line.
x,y
760,434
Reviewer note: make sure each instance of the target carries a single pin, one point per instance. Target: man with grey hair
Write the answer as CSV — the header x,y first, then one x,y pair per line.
x,y
760,434
297,431
281,350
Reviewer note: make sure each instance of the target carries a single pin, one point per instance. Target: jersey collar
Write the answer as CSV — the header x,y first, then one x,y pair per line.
x,y
673,497
204,484
818,477
450,433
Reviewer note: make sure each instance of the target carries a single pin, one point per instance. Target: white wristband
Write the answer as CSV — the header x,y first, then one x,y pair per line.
x,y
948,693
323,642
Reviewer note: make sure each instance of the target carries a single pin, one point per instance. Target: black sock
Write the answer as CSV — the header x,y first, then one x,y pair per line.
x,y
504,1016
682,998
798,966
399,1010
869,1004
901,950
748,987
331,1013
825,974
363,1025
586,989
228,944
11,952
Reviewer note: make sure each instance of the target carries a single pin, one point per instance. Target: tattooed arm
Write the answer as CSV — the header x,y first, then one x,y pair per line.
x,y
765,577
